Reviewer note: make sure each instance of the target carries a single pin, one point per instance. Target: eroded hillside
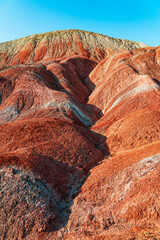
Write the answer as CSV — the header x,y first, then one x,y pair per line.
x,y
79,123
61,44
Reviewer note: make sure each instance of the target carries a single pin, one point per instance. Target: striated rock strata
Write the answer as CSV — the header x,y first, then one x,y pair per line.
x,y
61,44
80,138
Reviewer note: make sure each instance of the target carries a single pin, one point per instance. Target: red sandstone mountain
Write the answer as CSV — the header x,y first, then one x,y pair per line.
x,y
80,138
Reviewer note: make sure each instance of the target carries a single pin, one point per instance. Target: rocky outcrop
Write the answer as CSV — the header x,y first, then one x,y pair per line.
x,y
79,123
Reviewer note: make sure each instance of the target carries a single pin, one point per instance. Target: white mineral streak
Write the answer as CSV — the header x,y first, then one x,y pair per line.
x,y
148,85
69,107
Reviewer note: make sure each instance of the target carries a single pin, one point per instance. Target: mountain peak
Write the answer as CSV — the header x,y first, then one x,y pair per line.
x,y
59,44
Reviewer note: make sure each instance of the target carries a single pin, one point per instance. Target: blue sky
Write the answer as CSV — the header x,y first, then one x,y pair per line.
x,y
137,20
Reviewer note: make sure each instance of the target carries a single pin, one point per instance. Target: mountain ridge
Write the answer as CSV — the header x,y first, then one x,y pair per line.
x,y
69,30
58,44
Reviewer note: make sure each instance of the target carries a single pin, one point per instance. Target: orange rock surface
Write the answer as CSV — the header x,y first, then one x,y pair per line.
x,y
80,138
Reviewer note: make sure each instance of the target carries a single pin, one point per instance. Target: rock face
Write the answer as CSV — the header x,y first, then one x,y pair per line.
x,y
80,124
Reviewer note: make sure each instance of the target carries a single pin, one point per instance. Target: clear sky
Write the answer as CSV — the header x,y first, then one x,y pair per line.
x,y
137,20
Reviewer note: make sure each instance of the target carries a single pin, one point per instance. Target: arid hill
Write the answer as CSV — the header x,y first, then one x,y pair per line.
x,y
80,138
61,44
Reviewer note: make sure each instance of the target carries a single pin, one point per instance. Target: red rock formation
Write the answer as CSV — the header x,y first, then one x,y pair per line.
x,y
59,45
125,83
79,123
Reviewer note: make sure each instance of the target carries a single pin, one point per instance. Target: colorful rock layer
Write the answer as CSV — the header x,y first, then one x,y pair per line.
x,y
80,138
